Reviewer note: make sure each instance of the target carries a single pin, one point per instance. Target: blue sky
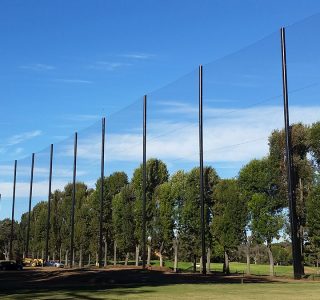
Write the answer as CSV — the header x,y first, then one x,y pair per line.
x,y
64,64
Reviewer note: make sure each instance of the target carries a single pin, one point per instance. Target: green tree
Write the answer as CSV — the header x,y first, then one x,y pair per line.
x,y
157,174
38,227
5,233
314,143
55,238
163,221
313,222
123,220
302,168
190,224
230,218
112,186
258,183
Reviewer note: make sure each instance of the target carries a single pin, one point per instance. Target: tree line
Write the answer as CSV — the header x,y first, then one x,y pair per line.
x,y
243,214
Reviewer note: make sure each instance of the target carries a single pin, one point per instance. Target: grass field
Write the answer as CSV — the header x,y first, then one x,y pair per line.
x,y
134,283
299,290
241,268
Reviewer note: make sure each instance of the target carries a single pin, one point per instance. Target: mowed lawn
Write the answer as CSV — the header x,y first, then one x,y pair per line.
x,y
294,290
240,268
122,283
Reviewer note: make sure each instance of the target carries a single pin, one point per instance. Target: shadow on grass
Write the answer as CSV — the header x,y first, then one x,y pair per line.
x,y
80,293
29,284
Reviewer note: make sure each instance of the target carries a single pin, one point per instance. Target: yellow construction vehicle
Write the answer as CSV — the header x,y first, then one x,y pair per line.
x,y
33,262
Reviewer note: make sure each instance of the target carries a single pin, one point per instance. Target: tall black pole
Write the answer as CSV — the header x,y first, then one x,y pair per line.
x,y
296,249
73,196
144,182
101,190
13,203
203,242
49,203
30,201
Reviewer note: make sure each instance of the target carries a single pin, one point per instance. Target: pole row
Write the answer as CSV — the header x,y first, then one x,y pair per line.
x,y
296,249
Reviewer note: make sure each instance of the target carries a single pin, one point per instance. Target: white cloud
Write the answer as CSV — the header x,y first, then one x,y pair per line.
x,y
137,55
18,139
38,67
231,138
230,135
108,66
81,117
75,81
22,137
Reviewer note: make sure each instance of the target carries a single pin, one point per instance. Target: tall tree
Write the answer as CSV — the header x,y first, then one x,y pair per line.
x,y
313,222
5,232
314,143
112,186
190,227
163,221
157,173
258,184
55,240
123,220
38,227
302,169
230,218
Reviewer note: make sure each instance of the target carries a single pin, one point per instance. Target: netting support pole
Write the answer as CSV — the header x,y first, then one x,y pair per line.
x,y
49,203
203,242
296,250
30,201
103,130
73,197
13,203
144,182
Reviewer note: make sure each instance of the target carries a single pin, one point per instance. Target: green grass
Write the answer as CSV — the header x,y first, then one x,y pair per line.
x,y
294,290
241,268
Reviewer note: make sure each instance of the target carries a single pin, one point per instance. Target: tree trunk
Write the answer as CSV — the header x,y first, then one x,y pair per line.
x,y
97,259
149,256
89,262
114,253
126,260
194,263
175,246
208,259
6,252
137,255
73,255
271,261
226,267
105,252
60,255
80,258
42,256
54,256
301,227
66,260
248,256
160,255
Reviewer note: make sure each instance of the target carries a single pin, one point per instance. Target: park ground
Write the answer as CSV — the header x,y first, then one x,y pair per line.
x,y
134,283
